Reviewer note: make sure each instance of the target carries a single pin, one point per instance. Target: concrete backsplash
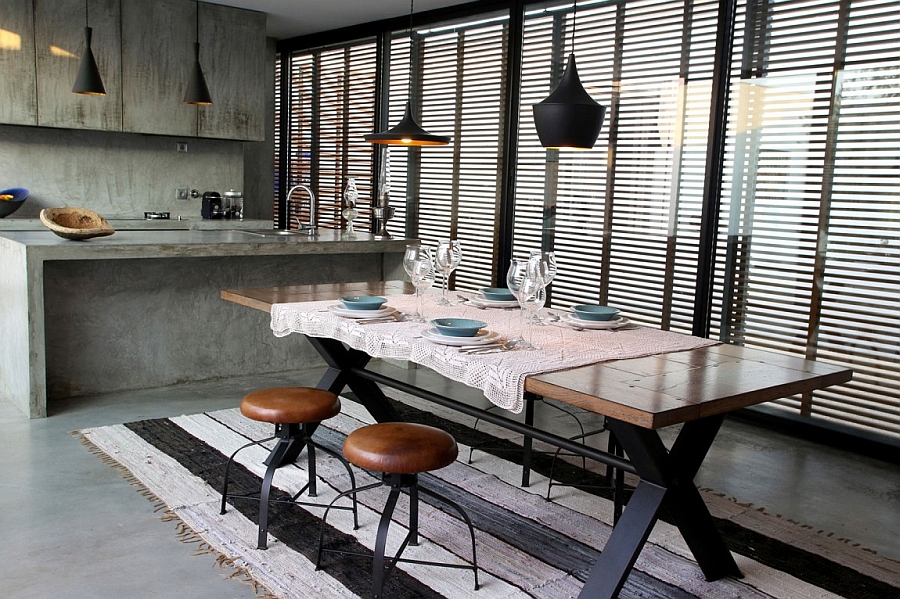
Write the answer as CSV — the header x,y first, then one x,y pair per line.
x,y
116,174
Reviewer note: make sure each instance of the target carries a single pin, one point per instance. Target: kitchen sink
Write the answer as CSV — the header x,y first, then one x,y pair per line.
x,y
272,232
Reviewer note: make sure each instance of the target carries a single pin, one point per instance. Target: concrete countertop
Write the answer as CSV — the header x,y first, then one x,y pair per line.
x,y
45,245
132,224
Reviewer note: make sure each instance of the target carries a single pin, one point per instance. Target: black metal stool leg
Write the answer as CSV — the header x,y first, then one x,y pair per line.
x,y
264,491
381,542
311,465
228,468
466,519
414,514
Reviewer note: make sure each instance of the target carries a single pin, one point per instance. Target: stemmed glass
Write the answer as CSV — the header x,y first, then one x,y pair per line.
x,y
524,281
447,257
412,263
545,262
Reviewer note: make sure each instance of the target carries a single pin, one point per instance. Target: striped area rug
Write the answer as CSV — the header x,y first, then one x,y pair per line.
x,y
527,546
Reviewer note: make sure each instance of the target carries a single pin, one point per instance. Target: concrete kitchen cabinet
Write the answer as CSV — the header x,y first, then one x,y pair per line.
x,y
232,54
145,53
59,42
18,83
158,54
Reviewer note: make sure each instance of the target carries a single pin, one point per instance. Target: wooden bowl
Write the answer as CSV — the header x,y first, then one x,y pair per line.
x,y
75,223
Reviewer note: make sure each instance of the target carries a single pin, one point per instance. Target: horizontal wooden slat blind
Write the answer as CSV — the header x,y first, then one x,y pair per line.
x,y
634,243
332,109
458,93
810,227
808,255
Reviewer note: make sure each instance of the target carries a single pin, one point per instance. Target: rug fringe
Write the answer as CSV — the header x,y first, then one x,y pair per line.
x,y
183,532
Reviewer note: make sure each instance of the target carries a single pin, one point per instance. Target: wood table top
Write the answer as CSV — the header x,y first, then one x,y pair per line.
x,y
651,392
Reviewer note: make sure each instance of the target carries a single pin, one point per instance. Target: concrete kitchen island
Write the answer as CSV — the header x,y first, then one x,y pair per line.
x,y
141,309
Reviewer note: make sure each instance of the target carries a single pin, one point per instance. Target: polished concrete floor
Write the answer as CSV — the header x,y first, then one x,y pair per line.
x,y
71,527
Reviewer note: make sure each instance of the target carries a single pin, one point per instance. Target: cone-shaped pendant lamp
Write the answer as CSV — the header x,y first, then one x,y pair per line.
x,y
197,90
569,117
88,81
407,133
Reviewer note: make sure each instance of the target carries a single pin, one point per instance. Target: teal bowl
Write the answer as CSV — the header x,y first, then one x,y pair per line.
x,y
458,327
497,294
363,302
590,312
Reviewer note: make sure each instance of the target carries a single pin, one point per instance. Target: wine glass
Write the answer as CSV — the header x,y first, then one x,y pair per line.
x,y
546,263
447,257
422,276
413,253
524,281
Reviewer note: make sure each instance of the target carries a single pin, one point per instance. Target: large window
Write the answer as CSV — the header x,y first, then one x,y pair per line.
x,y
806,211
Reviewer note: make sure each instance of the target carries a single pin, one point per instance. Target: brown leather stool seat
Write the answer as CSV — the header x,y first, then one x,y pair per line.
x,y
295,412
399,451
285,405
400,447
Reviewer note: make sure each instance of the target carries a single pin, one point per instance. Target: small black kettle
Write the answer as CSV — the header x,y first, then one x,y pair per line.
x,y
212,205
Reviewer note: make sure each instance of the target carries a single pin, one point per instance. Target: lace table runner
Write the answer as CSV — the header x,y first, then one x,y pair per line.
x,y
501,376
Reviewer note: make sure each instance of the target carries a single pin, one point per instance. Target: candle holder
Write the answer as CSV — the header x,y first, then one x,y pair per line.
x,y
383,213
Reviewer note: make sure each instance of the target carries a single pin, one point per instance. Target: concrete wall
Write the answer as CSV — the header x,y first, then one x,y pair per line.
x,y
124,174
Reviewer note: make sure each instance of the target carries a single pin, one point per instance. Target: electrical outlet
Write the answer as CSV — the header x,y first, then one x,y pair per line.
x,y
181,193
181,146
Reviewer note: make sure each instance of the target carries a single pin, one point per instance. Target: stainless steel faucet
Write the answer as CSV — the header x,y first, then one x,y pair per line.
x,y
310,227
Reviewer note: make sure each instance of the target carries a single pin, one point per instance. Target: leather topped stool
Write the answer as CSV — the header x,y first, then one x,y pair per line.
x,y
400,451
295,412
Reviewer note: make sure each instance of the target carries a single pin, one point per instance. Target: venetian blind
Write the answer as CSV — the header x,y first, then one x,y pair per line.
x,y
276,160
331,109
456,75
624,226
810,229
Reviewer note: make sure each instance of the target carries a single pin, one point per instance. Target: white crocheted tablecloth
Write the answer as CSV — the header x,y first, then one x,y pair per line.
x,y
501,376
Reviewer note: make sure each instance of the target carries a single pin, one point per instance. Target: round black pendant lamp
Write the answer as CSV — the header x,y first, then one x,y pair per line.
x,y
88,81
569,117
197,90
408,132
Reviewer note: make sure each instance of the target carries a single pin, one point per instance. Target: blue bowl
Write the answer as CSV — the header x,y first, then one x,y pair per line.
x,y
497,294
19,195
590,312
363,302
458,327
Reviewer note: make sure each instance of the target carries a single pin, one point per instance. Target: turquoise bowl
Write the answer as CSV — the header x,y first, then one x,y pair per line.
x,y
497,294
363,302
590,312
458,327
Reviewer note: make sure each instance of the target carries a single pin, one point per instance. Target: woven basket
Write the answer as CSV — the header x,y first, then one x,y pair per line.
x,y
75,223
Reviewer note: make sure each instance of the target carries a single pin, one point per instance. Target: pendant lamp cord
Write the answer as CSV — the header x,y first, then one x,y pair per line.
x,y
574,22
86,21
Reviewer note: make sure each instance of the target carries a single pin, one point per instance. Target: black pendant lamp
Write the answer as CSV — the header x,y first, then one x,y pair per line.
x,y
88,81
408,132
197,90
569,117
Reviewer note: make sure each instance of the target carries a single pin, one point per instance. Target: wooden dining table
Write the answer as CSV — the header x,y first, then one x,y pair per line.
x,y
638,396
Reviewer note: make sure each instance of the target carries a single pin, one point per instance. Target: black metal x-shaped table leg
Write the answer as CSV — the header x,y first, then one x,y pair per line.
x,y
666,480
341,360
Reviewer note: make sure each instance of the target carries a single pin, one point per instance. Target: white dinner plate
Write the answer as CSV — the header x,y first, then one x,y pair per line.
x,y
599,325
347,313
486,303
483,336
